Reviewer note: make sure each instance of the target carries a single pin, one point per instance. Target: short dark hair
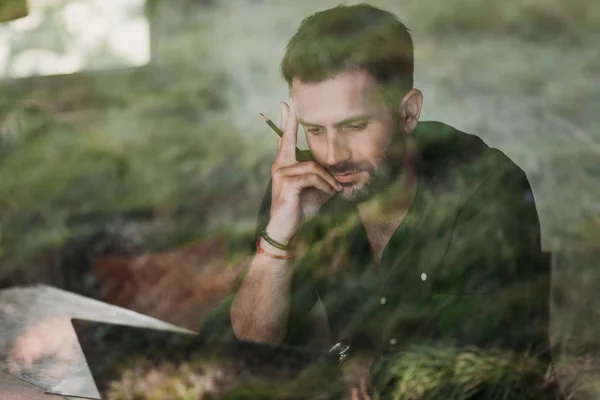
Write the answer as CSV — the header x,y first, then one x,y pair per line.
x,y
359,37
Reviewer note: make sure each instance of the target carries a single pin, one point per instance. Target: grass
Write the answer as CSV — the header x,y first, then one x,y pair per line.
x,y
420,373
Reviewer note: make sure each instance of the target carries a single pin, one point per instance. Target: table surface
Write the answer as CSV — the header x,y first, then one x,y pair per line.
x,y
12,388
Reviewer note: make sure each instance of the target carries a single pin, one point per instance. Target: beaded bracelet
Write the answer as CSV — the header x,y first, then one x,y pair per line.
x,y
275,243
260,250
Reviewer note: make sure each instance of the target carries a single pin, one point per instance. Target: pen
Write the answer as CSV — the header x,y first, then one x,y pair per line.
x,y
301,155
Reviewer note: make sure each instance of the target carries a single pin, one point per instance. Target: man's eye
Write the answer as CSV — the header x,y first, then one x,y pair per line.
x,y
357,127
314,130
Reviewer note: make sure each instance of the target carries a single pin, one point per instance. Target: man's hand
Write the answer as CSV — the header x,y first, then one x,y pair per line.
x,y
361,392
299,189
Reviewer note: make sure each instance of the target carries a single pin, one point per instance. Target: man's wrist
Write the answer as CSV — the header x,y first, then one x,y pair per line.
x,y
269,248
284,238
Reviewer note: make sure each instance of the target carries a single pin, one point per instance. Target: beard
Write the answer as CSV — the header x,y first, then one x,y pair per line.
x,y
381,176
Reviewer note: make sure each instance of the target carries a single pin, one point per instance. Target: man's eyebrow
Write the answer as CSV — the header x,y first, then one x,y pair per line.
x,y
338,124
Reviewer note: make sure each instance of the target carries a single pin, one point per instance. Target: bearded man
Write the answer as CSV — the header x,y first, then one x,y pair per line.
x,y
398,232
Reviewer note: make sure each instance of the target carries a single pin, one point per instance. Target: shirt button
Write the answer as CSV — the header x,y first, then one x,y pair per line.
x,y
383,300
393,342
423,276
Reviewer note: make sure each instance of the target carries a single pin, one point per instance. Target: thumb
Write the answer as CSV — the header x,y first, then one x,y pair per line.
x,y
284,112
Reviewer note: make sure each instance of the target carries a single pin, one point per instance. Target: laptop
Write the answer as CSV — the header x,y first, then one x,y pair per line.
x,y
137,361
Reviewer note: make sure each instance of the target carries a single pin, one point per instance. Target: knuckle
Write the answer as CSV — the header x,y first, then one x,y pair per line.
x,y
303,180
315,167
278,178
286,181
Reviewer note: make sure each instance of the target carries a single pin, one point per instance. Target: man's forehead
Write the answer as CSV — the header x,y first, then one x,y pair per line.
x,y
335,99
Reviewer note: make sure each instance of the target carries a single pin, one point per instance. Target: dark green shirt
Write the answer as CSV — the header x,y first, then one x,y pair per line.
x,y
465,265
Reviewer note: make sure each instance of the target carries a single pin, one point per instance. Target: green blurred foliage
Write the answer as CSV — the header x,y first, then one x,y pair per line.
x,y
129,145
539,20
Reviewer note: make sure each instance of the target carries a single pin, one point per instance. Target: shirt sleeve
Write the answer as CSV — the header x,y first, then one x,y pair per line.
x,y
494,279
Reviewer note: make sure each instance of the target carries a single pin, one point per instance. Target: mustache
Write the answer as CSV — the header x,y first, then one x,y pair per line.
x,y
391,154
347,168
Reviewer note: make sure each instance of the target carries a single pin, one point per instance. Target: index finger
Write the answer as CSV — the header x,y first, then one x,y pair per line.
x,y
290,133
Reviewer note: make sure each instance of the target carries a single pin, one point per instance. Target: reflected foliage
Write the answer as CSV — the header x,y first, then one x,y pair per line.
x,y
153,153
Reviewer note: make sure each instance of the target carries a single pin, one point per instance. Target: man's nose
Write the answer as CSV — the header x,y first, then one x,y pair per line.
x,y
337,149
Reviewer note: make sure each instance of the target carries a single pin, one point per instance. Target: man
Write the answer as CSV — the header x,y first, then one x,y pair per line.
x,y
399,232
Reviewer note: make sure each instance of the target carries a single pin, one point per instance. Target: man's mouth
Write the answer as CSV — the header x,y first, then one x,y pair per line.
x,y
346,177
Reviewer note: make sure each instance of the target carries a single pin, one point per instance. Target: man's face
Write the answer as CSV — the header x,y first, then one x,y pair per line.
x,y
349,129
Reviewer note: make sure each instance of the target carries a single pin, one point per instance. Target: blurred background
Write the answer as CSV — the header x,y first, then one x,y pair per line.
x,y
133,158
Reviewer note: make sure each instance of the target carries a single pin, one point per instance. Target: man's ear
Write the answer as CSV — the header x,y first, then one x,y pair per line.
x,y
410,110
